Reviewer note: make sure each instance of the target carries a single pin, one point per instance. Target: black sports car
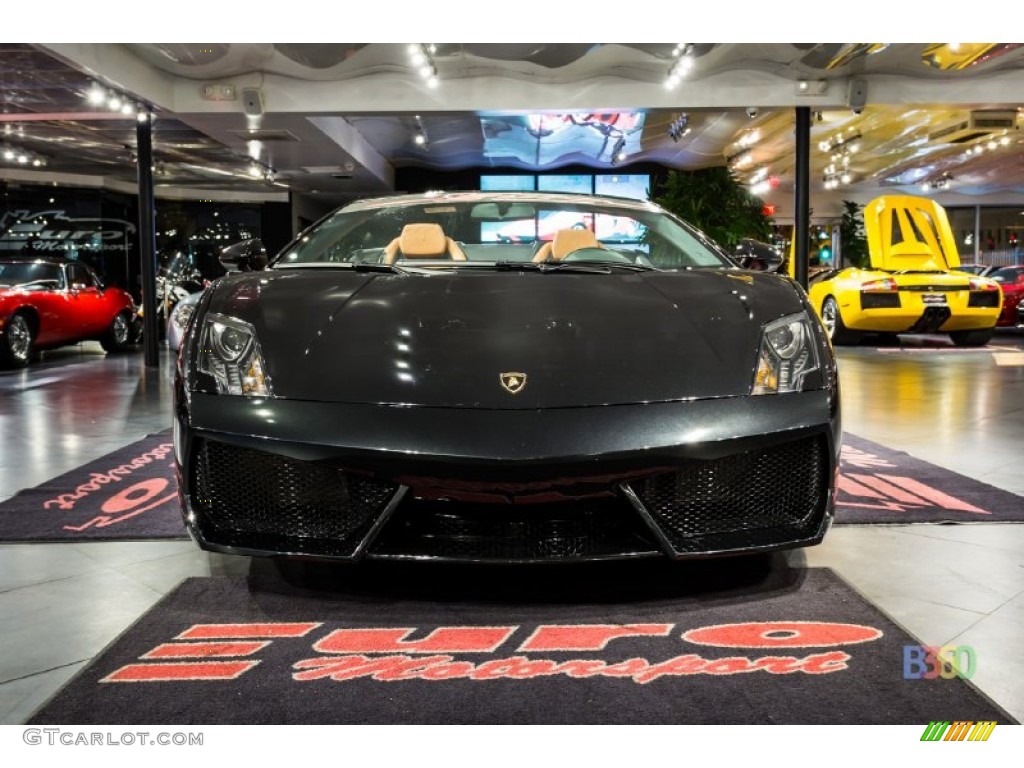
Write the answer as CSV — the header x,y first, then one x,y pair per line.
x,y
403,382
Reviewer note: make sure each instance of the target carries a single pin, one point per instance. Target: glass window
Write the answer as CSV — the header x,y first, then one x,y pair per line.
x,y
81,275
1000,233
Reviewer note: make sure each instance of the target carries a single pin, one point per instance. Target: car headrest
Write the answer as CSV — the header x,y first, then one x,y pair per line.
x,y
568,240
423,241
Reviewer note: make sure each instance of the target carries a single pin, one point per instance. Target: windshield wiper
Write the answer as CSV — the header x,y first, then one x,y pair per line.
x,y
632,267
370,266
551,266
584,267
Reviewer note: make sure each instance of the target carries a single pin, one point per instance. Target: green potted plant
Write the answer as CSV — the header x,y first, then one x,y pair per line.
x,y
715,202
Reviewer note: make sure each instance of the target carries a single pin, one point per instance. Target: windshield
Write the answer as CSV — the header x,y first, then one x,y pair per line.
x,y
481,230
29,272
1008,275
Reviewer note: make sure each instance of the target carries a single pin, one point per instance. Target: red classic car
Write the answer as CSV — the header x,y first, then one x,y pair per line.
x,y
1011,280
46,303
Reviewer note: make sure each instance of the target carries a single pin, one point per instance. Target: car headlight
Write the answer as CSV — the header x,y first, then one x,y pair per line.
x,y
788,353
230,352
181,314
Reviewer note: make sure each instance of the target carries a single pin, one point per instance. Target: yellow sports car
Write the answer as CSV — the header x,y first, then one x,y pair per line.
x,y
912,284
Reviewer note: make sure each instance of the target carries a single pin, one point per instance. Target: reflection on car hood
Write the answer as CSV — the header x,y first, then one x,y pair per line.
x,y
447,338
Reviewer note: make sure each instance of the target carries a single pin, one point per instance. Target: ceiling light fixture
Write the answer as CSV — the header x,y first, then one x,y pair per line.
x,y
749,139
421,57
987,144
811,87
835,178
619,150
679,127
841,144
96,95
20,156
420,136
940,183
759,175
254,169
99,96
683,54
760,188
741,159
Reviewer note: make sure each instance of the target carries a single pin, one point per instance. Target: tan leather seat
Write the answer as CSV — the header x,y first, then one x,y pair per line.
x,y
566,241
423,241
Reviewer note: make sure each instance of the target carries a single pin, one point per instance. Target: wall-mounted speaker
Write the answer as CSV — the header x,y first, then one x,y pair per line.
x,y
252,101
857,94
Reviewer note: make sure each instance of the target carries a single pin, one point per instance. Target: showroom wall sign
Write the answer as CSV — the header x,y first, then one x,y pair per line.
x,y
57,232
98,227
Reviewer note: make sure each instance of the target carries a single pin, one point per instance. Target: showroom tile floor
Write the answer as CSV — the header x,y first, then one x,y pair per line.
x,y
60,604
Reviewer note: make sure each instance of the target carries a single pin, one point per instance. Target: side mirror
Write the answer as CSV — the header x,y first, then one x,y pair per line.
x,y
753,254
246,256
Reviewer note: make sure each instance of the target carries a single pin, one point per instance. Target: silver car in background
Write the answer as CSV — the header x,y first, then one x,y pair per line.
x,y
178,320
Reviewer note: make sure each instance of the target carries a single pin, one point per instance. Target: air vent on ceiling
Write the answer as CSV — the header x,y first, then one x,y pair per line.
x,y
334,171
974,126
266,135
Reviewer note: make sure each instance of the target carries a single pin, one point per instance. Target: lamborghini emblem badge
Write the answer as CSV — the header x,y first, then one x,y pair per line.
x,y
513,382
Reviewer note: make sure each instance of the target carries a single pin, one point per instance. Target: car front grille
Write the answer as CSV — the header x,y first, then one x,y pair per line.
x,y
584,529
256,501
262,501
748,499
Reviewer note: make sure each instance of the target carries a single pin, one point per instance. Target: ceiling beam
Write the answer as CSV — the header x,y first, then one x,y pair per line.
x,y
344,134
737,89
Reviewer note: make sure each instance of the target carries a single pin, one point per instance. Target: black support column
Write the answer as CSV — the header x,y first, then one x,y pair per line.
x,y
801,200
147,238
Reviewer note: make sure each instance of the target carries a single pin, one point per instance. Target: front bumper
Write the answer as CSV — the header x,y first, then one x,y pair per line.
x,y
689,479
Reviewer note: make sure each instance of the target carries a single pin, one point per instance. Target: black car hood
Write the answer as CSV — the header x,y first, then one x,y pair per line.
x,y
445,339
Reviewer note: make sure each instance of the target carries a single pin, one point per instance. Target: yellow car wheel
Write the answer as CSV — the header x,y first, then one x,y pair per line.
x,y
833,322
